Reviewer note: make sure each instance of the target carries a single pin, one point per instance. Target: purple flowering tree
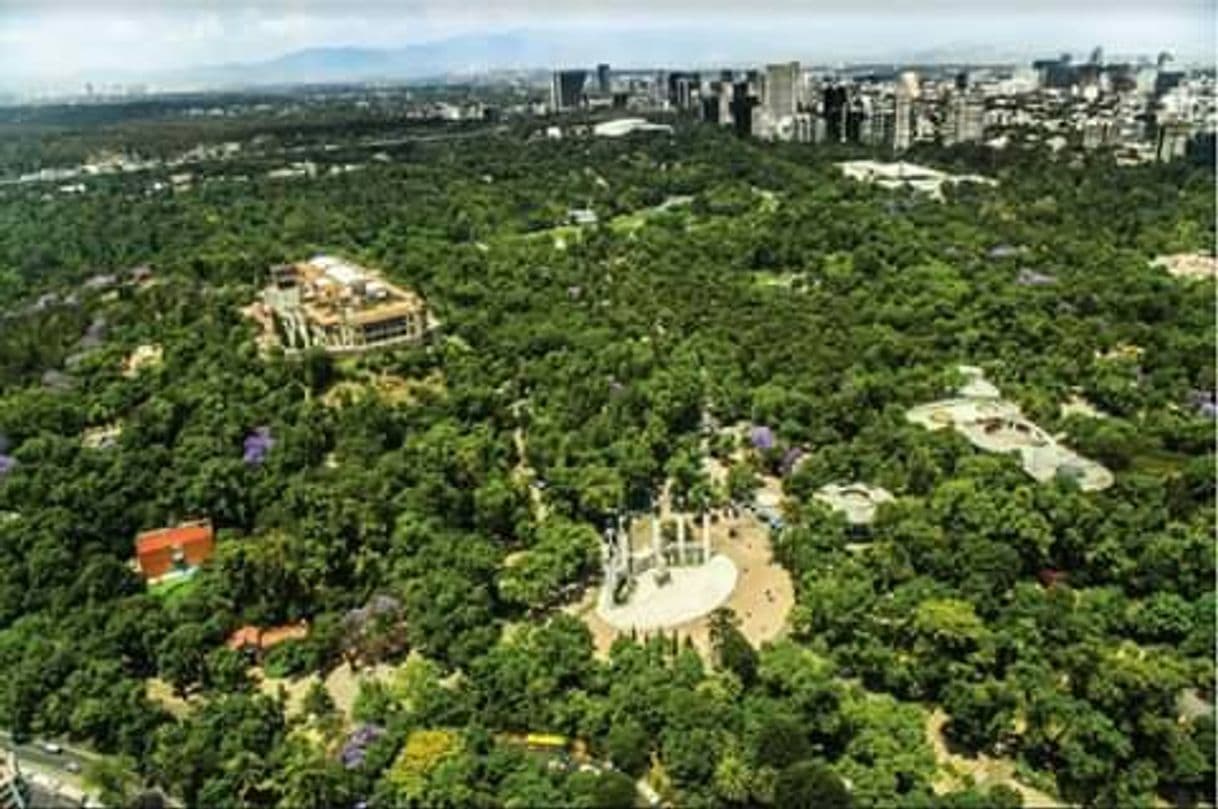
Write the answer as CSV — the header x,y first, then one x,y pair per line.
x,y
762,438
258,446
791,459
355,748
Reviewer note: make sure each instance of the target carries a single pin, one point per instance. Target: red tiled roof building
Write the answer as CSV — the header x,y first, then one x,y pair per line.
x,y
168,549
255,640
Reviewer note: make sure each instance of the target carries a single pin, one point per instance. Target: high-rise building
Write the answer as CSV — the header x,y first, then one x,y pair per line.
x,y
803,129
567,89
881,120
659,88
1056,73
687,92
856,119
903,123
742,109
1097,132
782,90
1121,78
1171,140
725,102
602,78
684,89
1167,80
966,119
833,109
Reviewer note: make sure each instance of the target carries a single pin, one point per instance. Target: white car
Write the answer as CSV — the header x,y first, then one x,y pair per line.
x,y
51,747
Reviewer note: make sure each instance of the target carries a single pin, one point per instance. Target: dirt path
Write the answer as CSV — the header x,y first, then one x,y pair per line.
x,y
342,683
525,474
984,770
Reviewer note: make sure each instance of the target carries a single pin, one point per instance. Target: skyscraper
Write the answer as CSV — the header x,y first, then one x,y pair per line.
x,y
803,127
683,89
742,109
602,78
725,102
567,89
856,117
966,119
907,91
782,90
881,120
833,110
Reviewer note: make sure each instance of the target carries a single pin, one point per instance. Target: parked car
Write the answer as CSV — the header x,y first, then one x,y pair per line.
x,y
52,748
72,766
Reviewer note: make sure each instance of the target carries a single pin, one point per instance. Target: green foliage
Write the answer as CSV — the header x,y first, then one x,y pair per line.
x,y
628,746
1056,626
424,752
808,784
731,647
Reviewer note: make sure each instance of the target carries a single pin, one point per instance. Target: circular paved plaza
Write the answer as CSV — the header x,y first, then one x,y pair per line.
x,y
690,593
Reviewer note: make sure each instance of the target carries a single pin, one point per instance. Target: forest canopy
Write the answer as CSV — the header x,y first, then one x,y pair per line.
x,y
1054,629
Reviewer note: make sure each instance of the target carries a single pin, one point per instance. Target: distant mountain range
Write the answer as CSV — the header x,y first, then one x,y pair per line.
x,y
539,50
526,50
467,54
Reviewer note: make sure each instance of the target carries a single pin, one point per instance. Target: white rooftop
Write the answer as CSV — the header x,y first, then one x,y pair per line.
x,y
858,501
901,173
344,272
624,126
995,425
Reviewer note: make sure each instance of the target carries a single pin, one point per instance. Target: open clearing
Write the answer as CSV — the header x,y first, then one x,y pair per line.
x,y
342,682
955,769
389,388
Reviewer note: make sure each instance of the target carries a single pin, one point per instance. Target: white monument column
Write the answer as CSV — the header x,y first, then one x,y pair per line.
x,y
610,584
623,551
657,544
681,558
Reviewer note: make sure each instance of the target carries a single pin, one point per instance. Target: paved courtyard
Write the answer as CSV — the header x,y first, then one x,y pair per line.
x,y
690,593
762,596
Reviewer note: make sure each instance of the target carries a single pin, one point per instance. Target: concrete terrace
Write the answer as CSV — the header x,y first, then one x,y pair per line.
x,y
907,175
858,501
996,425
690,593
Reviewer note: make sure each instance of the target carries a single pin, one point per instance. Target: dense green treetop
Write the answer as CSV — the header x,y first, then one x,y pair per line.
x,y
1053,626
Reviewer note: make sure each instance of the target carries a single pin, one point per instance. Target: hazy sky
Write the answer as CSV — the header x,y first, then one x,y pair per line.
x,y
62,38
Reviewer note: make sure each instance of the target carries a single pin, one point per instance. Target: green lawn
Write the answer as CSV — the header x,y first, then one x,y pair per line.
x,y
173,589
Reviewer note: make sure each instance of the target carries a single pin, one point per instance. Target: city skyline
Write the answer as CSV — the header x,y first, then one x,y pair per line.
x,y
124,41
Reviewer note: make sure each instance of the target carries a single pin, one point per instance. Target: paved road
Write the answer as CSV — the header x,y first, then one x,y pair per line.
x,y
53,784
35,754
